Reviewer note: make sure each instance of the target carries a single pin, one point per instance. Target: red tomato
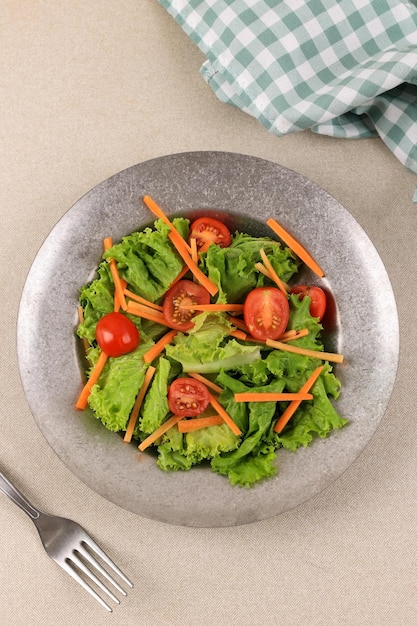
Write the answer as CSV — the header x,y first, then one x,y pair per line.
x,y
183,293
207,230
266,312
188,397
318,299
116,334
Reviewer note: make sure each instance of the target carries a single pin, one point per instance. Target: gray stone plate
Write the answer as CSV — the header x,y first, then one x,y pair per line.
x,y
244,191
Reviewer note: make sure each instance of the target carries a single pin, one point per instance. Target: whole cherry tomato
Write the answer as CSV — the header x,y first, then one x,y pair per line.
x,y
116,334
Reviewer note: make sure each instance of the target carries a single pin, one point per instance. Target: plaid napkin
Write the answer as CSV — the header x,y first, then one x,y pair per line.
x,y
346,68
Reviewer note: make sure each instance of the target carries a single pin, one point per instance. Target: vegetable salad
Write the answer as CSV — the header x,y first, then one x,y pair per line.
x,y
198,347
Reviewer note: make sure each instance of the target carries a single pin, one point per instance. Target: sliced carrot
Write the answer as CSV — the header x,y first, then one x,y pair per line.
x,y
117,303
146,312
184,254
295,246
214,307
160,431
194,251
238,334
136,298
293,406
239,323
81,321
138,403
118,285
272,273
206,382
291,335
181,275
159,213
224,415
157,348
197,423
314,354
270,397
94,375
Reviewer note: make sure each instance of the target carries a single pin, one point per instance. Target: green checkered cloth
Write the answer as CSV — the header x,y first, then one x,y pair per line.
x,y
346,68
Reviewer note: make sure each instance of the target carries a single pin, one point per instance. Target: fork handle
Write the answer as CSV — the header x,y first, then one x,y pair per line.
x,y
17,497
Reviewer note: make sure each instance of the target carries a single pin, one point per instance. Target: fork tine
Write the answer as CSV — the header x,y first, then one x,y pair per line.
x,y
71,571
90,543
88,557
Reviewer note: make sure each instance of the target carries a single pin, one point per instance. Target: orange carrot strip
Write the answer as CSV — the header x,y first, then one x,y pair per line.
x,y
81,321
314,354
146,312
117,303
194,251
291,335
270,397
293,406
272,273
160,431
206,382
138,403
213,307
181,275
184,254
94,375
158,212
156,349
118,285
188,426
239,323
238,334
136,298
295,246
224,415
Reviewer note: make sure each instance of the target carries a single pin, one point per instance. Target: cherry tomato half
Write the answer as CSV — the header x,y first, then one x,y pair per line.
x,y
318,298
209,230
188,397
266,312
184,293
116,334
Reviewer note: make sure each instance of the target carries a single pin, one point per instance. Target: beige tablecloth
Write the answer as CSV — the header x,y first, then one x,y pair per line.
x,y
88,89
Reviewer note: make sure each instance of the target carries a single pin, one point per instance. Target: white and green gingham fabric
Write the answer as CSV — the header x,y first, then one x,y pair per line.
x,y
346,68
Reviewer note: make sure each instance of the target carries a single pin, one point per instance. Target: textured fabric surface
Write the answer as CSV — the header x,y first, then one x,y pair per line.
x,y
345,68
88,89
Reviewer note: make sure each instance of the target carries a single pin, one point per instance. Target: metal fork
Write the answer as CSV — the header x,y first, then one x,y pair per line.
x,y
67,543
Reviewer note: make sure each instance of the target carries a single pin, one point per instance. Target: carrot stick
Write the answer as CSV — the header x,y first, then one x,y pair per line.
x,y
119,289
270,397
160,431
293,406
239,323
295,246
181,275
157,348
81,321
194,251
291,335
214,307
146,312
117,303
184,254
138,403
272,273
206,382
94,375
158,212
314,354
224,415
238,334
188,426
136,298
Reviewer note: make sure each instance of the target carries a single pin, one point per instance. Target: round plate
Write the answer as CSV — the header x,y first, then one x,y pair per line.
x,y
245,191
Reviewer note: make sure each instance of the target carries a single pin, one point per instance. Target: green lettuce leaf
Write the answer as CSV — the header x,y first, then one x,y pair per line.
x,y
155,405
